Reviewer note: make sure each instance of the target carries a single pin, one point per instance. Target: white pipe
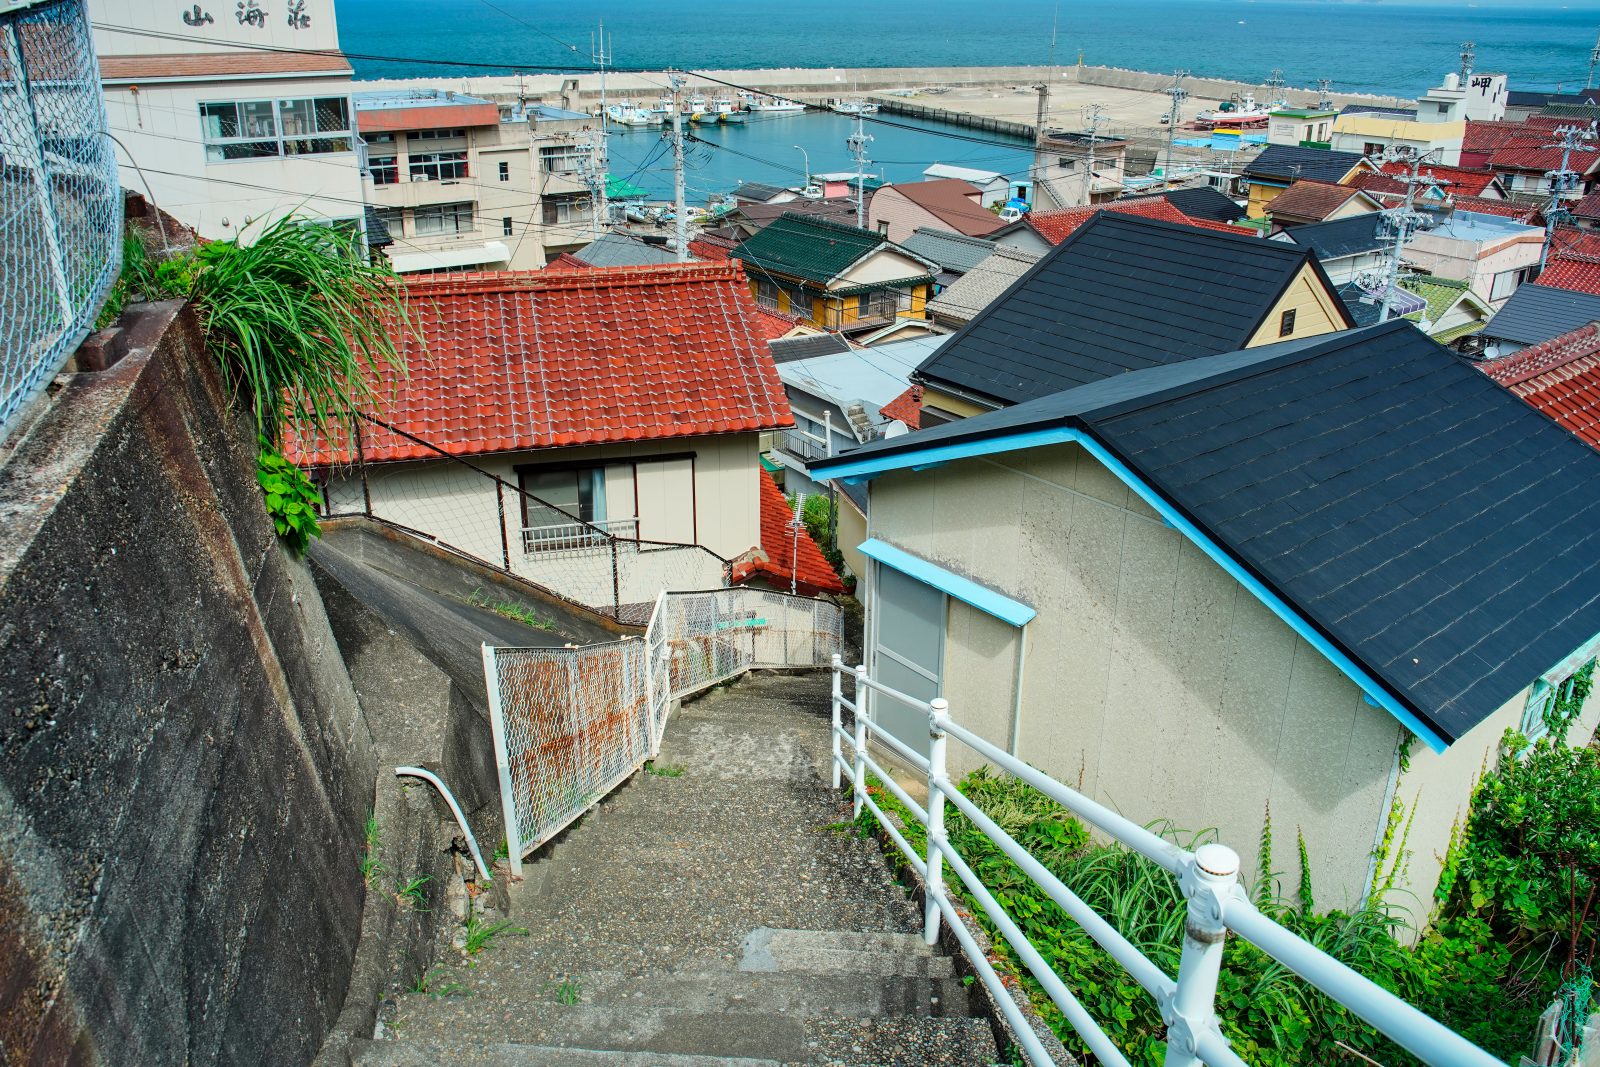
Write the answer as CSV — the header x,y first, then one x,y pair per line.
x,y
455,809
1032,1047
1016,702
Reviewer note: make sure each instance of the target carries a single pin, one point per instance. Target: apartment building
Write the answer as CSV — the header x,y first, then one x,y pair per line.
x,y
463,183
228,115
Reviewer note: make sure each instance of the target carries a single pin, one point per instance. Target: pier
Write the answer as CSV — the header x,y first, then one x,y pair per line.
x,y
897,106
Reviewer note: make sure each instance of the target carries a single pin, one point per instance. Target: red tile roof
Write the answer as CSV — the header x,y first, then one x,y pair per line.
x,y
1057,226
790,553
1588,207
1307,199
709,250
518,360
951,201
907,408
1506,208
1539,158
1458,179
771,325
568,261
1491,136
1560,377
233,62
1579,275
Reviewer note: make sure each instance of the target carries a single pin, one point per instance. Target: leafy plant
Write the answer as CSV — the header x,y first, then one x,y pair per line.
x,y
569,991
291,498
412,894
303,323
663,770
480,935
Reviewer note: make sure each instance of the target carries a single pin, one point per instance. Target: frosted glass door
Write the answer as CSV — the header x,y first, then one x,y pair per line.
x,y
908,654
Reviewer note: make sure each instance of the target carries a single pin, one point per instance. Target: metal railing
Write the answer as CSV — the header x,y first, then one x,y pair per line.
x,y
1208,876
577,536
571,724
60,200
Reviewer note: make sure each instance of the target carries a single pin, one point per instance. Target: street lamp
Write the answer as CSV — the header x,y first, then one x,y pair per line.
x,y
807,159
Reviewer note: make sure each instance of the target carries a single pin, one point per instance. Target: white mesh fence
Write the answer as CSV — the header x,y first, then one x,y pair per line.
x,y
570,724
60,201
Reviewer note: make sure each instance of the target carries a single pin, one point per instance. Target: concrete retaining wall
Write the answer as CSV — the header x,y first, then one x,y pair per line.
x,y
184,766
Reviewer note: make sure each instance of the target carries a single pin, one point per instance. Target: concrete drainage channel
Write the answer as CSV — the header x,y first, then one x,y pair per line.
x,y
718,908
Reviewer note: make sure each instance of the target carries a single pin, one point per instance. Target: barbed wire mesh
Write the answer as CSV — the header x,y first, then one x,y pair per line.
x,y
60,201
476,512
570,724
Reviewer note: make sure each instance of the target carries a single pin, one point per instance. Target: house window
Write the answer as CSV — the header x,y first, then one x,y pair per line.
x,y
1067,163
393,218
505,226
1286,323
259,129
560,159
379,138
435,135
564,209
447,219
1505,283
1554,702
767,293
883,227
562,507
878,302
505,171
1372,148
438,166
384,170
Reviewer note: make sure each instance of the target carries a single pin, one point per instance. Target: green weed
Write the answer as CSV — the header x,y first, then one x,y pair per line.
x,y
480,935
506,609
371,866
436,983
569,991
411,893
660,770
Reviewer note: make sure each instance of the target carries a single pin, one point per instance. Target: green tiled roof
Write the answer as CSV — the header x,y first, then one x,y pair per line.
x,y
1456,332
622,189
802,246
1440,293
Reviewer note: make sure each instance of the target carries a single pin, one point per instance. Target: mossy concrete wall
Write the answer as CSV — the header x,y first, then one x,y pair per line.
x,y
184,767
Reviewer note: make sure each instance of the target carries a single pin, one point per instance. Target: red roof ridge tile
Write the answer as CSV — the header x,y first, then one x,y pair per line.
x,y
1545,357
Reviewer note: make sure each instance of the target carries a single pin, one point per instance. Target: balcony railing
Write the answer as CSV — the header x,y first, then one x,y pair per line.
x,y
576,536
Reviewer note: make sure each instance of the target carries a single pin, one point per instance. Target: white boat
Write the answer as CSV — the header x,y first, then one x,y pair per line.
x,y
771,104
626,114
853,107
1241,112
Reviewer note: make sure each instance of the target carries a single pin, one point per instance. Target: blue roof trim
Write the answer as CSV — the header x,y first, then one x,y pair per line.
x,y
865,469
965,589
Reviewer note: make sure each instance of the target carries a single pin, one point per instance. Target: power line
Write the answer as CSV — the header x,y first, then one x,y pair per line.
x,y
541,31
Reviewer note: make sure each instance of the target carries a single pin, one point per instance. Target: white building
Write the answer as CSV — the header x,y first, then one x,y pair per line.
x,y
227,115
462,183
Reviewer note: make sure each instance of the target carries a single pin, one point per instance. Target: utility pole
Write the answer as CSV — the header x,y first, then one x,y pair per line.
x,y
857,143
1324,95
1562,181
680,210
1402,221
1040,117
1469,56
1174,115
1594,59
602,153
1275,86
1095,114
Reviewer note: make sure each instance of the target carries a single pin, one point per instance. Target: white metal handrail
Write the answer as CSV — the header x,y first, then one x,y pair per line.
x,y
561,537
1208,876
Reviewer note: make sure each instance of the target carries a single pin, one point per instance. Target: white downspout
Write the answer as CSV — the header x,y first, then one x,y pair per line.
x,y
1016,702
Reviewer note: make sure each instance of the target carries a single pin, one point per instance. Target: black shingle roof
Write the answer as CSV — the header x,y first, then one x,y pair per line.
x,y
1535,313
1434,528
378,235
1373,109
1340,237
1290,163
789,349
1201,202
760,192
1122,293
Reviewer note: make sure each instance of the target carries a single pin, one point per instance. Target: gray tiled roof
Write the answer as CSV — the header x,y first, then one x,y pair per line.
x,y
954,252
1536,313
983,284
1291,163
1340,237
620,250
789,349
760,192
1121,293
1425,521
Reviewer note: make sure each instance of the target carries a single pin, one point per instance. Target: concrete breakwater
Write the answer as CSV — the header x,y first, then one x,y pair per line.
x,y
821,83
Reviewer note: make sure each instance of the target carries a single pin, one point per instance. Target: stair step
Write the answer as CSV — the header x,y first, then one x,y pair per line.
x,y
736,1036
836,952
410,1054
781,993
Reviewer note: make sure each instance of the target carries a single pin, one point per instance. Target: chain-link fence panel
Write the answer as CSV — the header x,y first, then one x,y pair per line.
x,y
60,201
571,723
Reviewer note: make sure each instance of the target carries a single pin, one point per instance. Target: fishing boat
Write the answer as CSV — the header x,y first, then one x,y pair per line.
x,y
852,107
771,104
1241,111
626,114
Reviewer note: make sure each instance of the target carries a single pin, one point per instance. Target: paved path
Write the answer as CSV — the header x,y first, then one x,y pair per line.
x,y
724,915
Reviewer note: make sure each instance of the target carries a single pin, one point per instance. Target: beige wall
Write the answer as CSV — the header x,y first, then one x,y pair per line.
x,y
1149,671
1315,311
446,501
852,531
883,266
1447,256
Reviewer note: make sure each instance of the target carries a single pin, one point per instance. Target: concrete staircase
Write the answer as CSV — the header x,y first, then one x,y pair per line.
x,y
727,915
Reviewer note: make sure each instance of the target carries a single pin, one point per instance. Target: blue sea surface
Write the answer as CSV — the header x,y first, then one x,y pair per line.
x,y
1374,46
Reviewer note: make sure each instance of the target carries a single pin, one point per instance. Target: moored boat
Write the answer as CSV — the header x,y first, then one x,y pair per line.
x,y
1243,111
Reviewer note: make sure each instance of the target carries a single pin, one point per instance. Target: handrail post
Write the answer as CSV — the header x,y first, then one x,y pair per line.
x,y
858,779
1191,1013
934,882
838,723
